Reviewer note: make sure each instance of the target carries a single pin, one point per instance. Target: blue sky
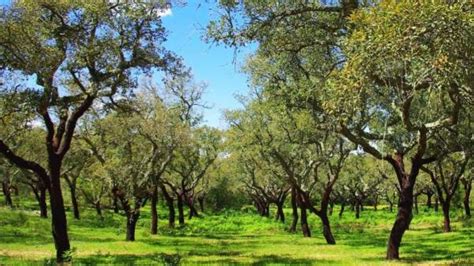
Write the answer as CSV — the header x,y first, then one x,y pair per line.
x,y
212,64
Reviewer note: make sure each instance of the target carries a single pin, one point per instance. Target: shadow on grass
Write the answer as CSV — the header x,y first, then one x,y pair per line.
x,y
173,259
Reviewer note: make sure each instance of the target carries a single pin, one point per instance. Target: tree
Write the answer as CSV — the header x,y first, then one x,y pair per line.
x,y
63,46
361,180
192,160
75,161
309,160
402,83
375,81
446,175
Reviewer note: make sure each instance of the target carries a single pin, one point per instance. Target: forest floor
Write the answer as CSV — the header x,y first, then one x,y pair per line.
x,y
235,238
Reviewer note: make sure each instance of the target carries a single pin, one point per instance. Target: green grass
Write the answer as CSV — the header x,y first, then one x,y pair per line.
x,y
234,238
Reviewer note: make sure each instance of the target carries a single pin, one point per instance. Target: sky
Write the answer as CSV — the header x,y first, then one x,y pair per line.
x,y
216,65
210,63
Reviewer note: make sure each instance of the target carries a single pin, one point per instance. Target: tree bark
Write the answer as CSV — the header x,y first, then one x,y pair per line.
x,y
132,219
98,208
428,200
376,201
192,210
294,207
7,193
341,211
58,212
154,212
180,210
467,195
115,203
447,221
327,229
402,221
304,222
357,210
436,204
201,203
169,203
75,205
280,216
42,202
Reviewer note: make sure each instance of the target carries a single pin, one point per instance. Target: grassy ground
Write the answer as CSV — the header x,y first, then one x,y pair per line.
x,y
234,238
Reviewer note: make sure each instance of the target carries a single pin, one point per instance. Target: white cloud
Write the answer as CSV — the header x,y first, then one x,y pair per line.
x,y
165,12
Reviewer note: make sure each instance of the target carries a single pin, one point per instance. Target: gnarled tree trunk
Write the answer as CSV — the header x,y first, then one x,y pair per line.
x,y
402,222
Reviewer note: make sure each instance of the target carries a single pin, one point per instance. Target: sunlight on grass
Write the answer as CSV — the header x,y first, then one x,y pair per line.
x,y
235,237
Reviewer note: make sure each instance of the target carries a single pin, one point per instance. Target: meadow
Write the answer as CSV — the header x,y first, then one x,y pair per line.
x,y
234,237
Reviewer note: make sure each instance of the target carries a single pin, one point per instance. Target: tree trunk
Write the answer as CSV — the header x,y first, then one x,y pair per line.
x,y
428,200
447,221
98,208
436,204
132,219
402,221
467,194
75,206
192,210
42,202
294,207
331,207
390,206
201,203
357,210
169,203
154,212
180,210
280,216
7,193
304,222
327,229
342,209
376,201
58,212
115,203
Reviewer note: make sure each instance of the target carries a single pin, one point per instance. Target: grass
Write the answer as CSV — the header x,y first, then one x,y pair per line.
x,y
234,238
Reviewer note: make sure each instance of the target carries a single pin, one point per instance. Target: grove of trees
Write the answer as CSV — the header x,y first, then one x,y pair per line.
x,y
353,103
